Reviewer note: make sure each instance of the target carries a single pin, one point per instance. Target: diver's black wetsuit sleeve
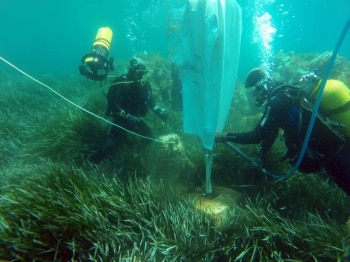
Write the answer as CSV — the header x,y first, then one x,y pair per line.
x,y
266,130
250,137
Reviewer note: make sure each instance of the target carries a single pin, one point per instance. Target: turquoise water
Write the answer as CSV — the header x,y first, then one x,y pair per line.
x,y
51,36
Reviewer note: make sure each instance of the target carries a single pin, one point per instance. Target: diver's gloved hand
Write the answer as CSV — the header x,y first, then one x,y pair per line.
x,y
220,137
108,113
161,113
133,120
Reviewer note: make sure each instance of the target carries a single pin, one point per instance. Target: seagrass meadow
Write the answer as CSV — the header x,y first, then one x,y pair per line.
x,y
136,205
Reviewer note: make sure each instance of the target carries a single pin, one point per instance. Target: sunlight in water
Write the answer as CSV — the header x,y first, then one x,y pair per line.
x,y
264,31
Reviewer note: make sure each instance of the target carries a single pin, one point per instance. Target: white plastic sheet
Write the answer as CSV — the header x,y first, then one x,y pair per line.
x,y
211,45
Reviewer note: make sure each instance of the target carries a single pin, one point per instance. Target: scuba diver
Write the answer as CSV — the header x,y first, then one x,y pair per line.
x,y
128,99
289,108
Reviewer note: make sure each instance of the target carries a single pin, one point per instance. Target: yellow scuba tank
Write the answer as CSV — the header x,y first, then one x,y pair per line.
x,y
335,102
103,41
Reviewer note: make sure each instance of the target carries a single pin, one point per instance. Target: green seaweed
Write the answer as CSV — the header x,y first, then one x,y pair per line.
x,y
135,206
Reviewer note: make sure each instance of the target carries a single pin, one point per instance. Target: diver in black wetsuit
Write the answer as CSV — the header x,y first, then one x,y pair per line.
x,y
128,99
285,109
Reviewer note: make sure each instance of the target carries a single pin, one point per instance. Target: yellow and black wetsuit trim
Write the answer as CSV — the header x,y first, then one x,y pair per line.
x,y
118,83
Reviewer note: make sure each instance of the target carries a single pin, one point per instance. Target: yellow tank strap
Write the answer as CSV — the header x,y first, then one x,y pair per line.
x,y
119,83
338,110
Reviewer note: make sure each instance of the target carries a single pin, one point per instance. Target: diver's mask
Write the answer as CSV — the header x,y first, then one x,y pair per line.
x,y
137,69
140,74
262,91
260,84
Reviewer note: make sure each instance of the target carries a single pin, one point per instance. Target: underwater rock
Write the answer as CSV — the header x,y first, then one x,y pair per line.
x,y
219,204
176,88
168,162
340,68
320,63
289,67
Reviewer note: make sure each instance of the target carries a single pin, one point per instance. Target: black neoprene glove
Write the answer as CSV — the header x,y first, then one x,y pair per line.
x,y
133,120
161,113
